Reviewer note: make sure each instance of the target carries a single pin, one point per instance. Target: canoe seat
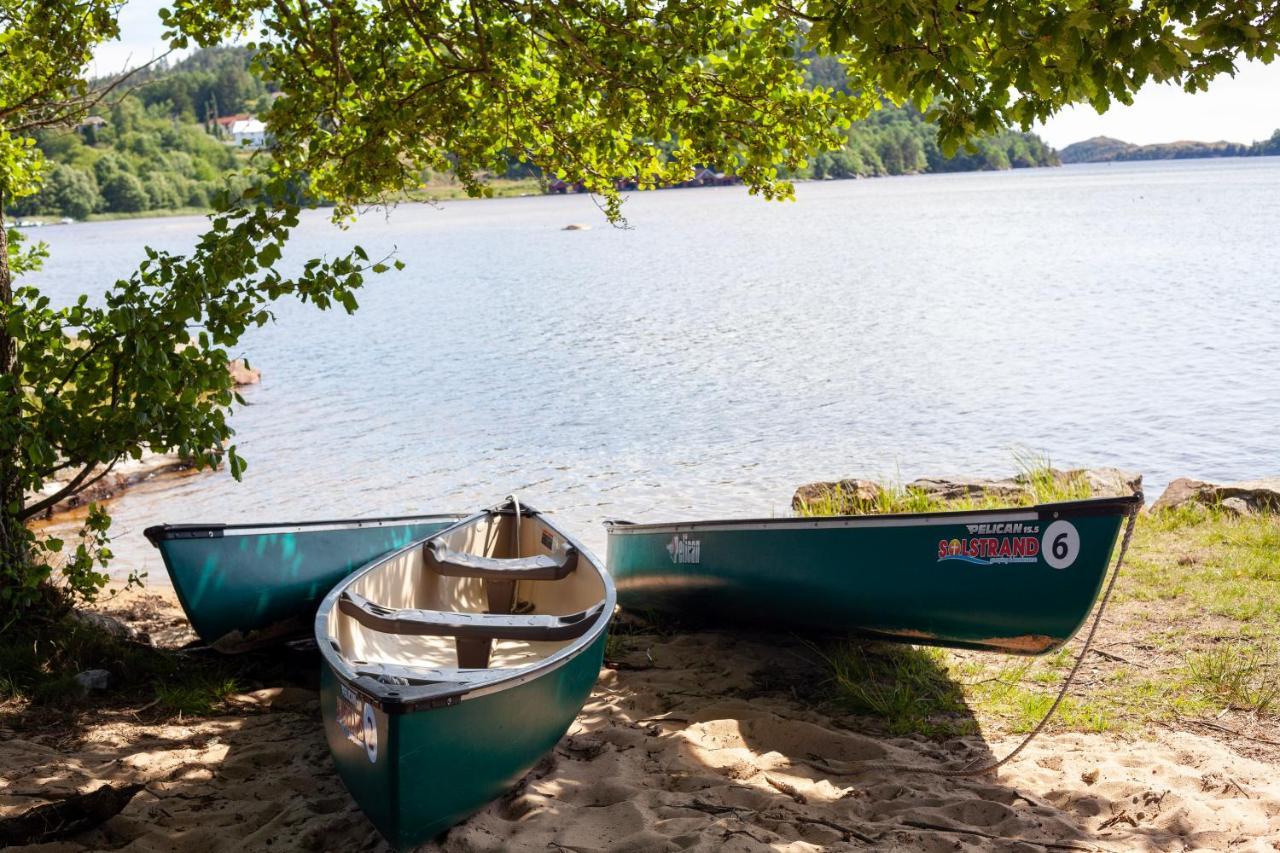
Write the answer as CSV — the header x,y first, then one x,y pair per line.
x,y
473,633
455,564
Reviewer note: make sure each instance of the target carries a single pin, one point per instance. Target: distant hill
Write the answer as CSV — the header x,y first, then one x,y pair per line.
x,y
1102,149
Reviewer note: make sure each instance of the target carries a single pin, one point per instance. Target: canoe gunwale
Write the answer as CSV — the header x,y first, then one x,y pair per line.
x,y
455,685
163,532
1067,509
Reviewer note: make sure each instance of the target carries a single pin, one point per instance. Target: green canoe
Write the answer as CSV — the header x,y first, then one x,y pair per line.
x,y
1016,580
454,664
245,585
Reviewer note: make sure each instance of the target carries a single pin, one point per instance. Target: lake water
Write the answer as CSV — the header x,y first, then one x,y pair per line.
x,y
724,350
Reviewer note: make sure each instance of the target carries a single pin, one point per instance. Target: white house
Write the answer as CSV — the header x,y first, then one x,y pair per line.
x,y
250,132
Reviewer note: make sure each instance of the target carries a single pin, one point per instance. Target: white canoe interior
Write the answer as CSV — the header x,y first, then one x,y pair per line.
x,y
407,582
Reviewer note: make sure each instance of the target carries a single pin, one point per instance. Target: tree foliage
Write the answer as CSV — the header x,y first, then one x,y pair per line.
x,y
590,90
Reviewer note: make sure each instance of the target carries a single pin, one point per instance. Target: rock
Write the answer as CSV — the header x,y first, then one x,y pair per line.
x,y
860,496
242,373
104,623
127,473
576,226
1247,497
967,487
1105,482
1236,507
1181,491
841,493
93,679
1260,495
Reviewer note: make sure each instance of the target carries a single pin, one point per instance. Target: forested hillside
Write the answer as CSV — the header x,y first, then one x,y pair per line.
x,y
1102,149
152,149
160,147
898,140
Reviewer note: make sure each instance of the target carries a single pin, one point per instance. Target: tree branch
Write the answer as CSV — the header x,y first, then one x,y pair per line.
x,y
78,483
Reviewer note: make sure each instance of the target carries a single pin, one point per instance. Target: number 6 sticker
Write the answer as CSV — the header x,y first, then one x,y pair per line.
x,y
1060,544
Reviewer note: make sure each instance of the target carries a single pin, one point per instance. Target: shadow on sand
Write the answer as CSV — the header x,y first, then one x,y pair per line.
x,y
691,741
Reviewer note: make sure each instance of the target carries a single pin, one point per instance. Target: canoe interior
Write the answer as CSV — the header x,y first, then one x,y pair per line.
x,y
405,582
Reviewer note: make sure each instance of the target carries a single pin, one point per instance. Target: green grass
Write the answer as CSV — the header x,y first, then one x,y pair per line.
x,y
1239,677
1192,631
39,662
197,696
907,687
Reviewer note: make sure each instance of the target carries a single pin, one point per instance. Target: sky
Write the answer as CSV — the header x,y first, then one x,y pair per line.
x,y
1240,109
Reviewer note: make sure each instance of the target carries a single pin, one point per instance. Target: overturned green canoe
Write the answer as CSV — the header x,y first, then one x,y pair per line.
x,y
244,585
454,664
1016,580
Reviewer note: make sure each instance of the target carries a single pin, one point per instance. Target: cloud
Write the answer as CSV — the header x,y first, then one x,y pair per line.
x,y
141,39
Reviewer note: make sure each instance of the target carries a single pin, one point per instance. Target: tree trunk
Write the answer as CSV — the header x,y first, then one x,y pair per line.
x,y
13,535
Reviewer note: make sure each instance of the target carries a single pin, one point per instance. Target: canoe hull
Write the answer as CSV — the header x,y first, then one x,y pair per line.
x,y
1019,581
248,585
453,665
432,769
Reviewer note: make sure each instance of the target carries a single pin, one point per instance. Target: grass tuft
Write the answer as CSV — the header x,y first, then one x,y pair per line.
x,y
906,686
1241,678
197,696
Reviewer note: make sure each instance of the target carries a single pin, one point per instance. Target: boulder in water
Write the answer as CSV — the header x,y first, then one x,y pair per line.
x,y
242,373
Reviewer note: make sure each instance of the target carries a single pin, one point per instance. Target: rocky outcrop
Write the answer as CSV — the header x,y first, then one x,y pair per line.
x,y
962,488
242,373
841,491
1108,482
105,624
856,495
1243,498
1181,491
126,474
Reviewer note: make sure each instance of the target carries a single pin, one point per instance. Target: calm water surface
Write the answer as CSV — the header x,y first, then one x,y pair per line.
x,y
724,349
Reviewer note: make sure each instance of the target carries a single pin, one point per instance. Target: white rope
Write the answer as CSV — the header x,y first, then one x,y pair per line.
x,y
1088,641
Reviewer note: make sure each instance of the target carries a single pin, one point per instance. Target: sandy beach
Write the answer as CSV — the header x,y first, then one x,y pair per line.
x,y
697,741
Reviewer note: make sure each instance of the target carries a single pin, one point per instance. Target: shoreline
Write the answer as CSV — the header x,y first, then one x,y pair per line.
x,y
504,189
435,193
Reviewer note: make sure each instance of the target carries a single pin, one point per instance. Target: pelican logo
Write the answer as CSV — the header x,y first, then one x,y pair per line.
x,y
685,550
